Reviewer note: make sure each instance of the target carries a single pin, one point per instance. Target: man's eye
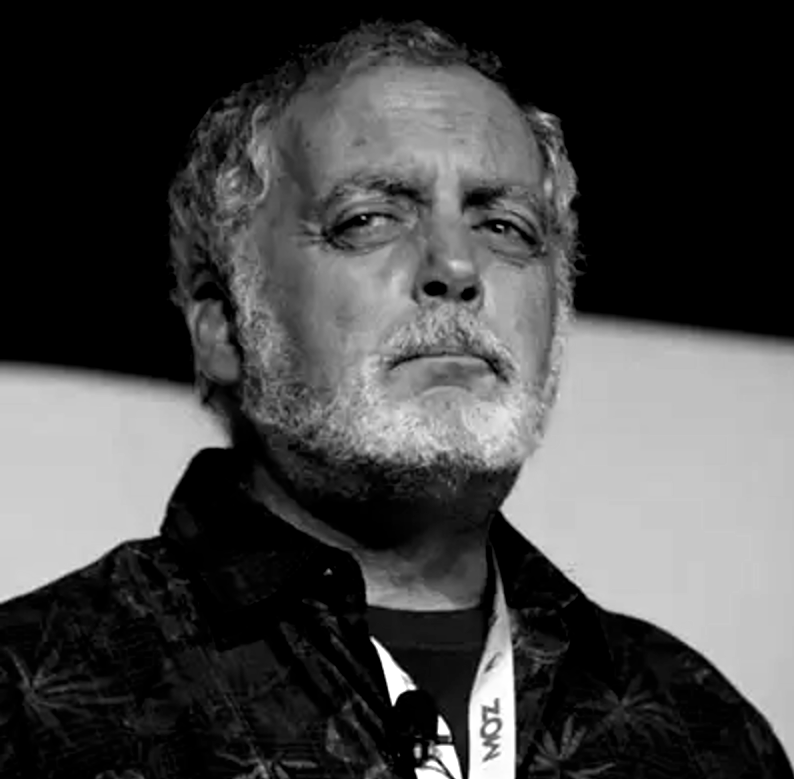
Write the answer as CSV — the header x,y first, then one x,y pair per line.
x,y
363,223
364,231
503,227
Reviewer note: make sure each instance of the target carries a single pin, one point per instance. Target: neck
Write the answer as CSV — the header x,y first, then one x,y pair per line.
x,y
442,565
439,580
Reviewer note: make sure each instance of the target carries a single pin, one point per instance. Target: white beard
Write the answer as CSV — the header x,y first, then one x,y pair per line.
x,y
358,426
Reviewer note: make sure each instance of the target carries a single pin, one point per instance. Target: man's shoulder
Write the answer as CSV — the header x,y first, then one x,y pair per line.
x,y
669,680
638,646
89,604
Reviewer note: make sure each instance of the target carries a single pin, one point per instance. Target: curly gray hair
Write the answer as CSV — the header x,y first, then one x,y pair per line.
x,y
229,163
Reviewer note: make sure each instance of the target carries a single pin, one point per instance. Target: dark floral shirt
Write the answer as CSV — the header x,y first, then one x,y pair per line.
x,y
232,645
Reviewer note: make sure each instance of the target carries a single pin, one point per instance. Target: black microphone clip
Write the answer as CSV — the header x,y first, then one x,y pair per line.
x,y
415,728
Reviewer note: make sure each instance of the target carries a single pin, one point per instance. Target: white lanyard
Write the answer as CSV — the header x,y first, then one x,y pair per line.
x,y
492,729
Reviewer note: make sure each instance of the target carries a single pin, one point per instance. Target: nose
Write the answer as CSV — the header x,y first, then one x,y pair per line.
x,y
448,271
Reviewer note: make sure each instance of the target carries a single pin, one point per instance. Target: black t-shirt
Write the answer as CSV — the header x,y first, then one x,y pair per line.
x,y
441,651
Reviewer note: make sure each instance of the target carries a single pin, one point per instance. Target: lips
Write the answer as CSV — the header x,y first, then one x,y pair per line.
x,y
448,353
434,353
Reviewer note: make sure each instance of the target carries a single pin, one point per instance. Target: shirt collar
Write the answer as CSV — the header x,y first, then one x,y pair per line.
x,y
242,552
246,556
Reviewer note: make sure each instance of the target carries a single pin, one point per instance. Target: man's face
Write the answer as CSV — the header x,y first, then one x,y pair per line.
x,y
335,290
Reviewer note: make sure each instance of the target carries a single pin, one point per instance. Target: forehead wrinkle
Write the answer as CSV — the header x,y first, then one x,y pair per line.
x,y
318,119
418,186
469,102
485,110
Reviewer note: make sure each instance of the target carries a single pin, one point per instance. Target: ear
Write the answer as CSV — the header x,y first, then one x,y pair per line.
x,y
213,346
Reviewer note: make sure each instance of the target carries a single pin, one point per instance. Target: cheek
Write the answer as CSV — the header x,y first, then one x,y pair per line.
x,y
329,318
543,302
525,312
540,312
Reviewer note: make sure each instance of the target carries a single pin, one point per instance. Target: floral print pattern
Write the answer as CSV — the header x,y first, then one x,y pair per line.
x,y
233,646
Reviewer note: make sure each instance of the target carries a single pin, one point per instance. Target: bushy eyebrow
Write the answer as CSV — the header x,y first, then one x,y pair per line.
x,y
476,192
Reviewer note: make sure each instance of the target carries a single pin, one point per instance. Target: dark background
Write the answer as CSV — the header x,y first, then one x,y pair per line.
x,y
673,124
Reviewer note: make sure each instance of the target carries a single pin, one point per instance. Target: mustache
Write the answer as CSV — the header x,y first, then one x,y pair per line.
x,y
452,337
